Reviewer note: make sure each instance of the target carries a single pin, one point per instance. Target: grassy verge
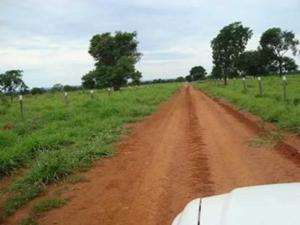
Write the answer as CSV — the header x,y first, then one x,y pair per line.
x,y
54,140
40,207
270,107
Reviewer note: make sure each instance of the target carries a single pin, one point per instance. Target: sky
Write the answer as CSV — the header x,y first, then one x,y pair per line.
x,y
49,40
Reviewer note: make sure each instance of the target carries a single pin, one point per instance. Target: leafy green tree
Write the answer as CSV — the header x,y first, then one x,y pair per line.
x,y
227,47
136,78
216,72
11,82
197,73
276,43
71,88
116,56
180,79
252,63
89,80
36,90
57,87
288,65
189,78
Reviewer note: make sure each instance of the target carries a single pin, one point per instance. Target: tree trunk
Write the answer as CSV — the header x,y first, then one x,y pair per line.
x,y
225,76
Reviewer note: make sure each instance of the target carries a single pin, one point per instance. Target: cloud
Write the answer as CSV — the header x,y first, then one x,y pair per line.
x,y
49,41
46,61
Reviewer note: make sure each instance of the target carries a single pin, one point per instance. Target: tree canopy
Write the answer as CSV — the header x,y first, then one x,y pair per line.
x,y
115,56
228,45
252,63
11,82
275,43
196,73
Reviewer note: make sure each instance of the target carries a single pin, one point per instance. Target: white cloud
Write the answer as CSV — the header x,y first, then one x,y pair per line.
x,y
47,61
49,41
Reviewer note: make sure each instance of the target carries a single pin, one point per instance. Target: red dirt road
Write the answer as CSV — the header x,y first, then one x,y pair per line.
x,y
191,147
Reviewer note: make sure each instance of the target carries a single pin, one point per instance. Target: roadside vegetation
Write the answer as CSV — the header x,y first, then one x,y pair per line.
x,y
271,106
57,138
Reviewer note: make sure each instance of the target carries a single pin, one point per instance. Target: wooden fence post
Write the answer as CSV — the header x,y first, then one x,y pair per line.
x,y
66,98
21,106
92,94
284,84
244,84
260,86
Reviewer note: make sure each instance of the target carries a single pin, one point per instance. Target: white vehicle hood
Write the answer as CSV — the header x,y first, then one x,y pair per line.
x,y
277,204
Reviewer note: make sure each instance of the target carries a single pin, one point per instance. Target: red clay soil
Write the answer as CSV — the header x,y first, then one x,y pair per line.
x,y
192,147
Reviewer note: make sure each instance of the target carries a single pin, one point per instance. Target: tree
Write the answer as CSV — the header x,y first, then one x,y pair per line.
x,y
276,43
11,82
57,87
180,79
36,90
288,65
189,78
197,73
227,47
116,56
216,72
252,63
89,80
136,78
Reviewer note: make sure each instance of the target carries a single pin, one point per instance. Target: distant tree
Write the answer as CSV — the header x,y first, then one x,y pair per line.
x,y
71,88
189,78
136,78
197,73
180,79
89,80
276,43
116,56
227,47
252,63
36,90
57,87
11,82
288,65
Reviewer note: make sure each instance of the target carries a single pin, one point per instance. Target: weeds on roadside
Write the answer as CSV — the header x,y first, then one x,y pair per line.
x,y
270,107
269,139
40,207
55,140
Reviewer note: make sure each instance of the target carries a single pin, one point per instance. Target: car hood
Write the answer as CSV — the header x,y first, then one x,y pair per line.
x,y
259,205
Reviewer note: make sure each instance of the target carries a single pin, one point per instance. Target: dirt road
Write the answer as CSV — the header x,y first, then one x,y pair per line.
x,y
191,147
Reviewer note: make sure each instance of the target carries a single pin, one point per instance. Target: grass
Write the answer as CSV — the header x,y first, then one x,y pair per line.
x,y
40,207
55,140
47,204
270,107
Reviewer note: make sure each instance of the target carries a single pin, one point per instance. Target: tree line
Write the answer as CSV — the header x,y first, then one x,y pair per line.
x,y
231,60
116,55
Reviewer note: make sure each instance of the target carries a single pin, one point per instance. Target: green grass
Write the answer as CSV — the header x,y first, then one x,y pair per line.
x,y
28,221
270,107
40,207
47,204
54,140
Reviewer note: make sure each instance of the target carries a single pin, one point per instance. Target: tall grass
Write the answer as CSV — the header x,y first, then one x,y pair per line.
x,y
54,139
271,106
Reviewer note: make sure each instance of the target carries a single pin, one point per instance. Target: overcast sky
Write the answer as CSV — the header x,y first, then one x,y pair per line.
x,y
49,39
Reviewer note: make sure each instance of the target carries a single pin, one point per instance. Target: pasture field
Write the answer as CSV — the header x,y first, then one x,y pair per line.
x,y
55,139
270,107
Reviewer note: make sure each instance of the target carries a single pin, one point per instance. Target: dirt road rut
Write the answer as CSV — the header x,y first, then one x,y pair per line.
x,y
191,147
